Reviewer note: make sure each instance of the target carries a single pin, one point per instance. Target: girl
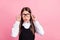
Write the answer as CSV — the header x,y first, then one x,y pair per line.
x,y
26,25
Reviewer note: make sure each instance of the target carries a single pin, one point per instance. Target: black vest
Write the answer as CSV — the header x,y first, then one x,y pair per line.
x,y
26,34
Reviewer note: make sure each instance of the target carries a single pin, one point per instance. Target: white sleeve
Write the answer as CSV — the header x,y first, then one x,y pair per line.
x,y
15,29
38,28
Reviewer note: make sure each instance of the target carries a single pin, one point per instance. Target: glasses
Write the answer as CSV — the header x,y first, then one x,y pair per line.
x,y
26,14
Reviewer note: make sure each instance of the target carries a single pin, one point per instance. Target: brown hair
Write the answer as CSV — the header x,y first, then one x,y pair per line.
x,y
32,27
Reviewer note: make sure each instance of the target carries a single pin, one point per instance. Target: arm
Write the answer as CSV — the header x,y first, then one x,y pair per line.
x,y
15,29
38,28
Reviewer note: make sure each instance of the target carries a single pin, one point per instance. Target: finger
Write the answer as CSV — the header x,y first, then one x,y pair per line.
x,y
33,16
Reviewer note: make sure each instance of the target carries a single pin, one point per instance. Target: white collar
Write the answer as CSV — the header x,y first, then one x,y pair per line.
x,y
26,25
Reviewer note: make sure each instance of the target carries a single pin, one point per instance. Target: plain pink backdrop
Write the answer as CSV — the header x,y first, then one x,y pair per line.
x,y
46,11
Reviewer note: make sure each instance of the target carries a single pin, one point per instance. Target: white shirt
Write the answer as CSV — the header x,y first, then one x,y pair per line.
x,y
26,25
38,28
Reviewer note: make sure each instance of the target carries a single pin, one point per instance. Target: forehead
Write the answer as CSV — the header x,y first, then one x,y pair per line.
x,y
26,12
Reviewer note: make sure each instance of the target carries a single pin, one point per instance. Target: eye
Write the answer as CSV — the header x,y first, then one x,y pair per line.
x,y
25,14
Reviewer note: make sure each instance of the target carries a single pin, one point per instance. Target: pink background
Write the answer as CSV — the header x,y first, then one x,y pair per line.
x,y
46,11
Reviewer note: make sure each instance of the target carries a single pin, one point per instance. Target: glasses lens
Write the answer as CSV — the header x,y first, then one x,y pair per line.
x,y
26,14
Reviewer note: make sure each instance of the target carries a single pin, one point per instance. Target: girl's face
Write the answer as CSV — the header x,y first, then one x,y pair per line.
x,y
26,16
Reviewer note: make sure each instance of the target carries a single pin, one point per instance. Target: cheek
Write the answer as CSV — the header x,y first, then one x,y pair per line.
x,y
28,18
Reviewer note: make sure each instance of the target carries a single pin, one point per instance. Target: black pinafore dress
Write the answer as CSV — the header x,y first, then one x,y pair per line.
x,y
26,34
